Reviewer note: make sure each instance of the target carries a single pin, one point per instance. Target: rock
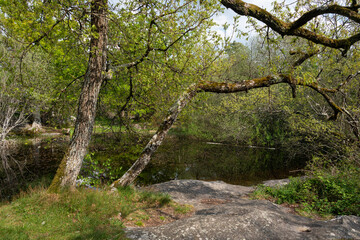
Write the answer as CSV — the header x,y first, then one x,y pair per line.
x,y
35,128
280,182
277,182
51,134
194,192
223,212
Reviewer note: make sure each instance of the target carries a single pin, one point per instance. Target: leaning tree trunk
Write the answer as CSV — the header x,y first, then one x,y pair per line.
x,y
71,163
157,139
215,87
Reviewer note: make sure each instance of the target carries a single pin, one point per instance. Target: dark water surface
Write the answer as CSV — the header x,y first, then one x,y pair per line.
x,y
184,158
29,163
177,158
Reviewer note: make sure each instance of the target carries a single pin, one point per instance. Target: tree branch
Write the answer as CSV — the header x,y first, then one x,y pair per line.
x,y
282,28
295,29
215,87
335,9
347,80
30,45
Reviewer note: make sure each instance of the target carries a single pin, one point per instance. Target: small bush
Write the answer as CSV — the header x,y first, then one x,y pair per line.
x,y
333,190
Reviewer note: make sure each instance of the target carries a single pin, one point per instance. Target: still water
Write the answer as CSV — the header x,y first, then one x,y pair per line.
x,y
184,158
26,163
177,158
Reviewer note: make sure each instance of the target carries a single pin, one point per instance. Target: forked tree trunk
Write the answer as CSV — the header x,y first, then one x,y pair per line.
x,y
71,163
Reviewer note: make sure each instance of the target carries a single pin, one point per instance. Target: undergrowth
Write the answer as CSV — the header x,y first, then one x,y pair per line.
x,y
329,189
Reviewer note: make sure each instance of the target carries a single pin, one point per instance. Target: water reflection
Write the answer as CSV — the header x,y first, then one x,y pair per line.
x,y
24,163
11,169
181,158
177,158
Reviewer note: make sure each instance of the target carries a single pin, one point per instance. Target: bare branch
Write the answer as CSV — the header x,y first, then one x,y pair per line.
x,y
304,57
347,80
217,87
130,93
70,83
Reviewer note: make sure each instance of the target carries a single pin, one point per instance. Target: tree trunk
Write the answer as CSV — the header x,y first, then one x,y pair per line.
x,y
215,87
203,86
70,165
157,139
37,115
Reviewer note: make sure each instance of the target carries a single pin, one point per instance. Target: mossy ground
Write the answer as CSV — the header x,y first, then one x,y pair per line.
x,y
84,213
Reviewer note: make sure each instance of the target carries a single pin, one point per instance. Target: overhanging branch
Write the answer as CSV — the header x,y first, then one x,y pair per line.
x,y
208,86
294,28
335,9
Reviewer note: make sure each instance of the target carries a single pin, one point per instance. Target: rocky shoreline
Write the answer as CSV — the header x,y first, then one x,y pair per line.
x,y
223,211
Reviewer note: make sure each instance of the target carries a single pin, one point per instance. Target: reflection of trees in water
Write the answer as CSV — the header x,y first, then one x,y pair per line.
x,y
11,169
22,164
190,159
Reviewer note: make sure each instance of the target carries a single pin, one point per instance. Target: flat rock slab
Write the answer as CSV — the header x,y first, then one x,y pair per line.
x,y
201,194
223,212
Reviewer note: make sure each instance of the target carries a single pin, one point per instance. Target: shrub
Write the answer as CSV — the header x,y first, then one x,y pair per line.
x,y
334,189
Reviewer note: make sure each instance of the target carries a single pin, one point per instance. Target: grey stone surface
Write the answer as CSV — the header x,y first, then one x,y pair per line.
x,y
279,182
194,192
222,212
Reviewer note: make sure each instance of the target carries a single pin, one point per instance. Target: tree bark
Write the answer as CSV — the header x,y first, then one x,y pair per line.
x,y
71,163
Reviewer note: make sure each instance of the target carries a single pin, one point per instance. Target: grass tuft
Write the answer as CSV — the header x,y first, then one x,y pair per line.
x,y
79,214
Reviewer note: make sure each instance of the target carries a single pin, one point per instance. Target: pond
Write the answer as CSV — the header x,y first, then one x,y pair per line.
x,y
177,158
184,158
28,163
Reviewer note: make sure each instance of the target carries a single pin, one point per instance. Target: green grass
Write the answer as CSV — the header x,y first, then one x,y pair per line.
x,y
83,214
183,208
107,128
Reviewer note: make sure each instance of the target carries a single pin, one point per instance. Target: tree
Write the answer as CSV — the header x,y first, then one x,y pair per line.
x,y
180,50
21,93
70,166
180,26
292,28
145,35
